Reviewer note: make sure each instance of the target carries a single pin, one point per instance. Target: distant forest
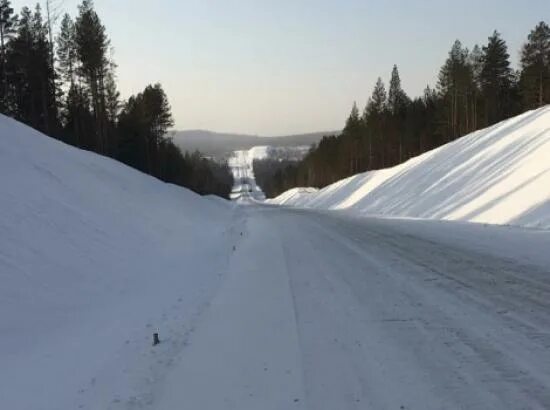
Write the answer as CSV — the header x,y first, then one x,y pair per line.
x,y
64,85
476,88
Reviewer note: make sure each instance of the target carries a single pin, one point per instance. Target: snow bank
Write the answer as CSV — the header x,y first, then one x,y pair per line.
x,y
295,196
93,254
499,175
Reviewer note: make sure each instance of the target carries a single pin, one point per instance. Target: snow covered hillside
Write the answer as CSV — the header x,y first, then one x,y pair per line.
x,y
499,175
94,257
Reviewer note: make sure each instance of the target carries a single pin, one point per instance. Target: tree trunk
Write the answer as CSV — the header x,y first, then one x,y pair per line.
x,y
541,89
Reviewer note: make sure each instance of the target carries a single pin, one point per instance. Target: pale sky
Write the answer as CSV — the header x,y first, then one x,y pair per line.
x,y
277,67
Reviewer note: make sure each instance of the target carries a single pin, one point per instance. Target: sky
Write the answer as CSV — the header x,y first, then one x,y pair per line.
x,y
282,67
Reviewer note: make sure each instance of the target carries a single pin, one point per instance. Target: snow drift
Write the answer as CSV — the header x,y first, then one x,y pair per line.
x,y
92,256
499,175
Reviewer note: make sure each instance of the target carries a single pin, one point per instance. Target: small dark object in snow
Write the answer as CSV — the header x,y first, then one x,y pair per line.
x,y
234,248
296,400
241,234
156,340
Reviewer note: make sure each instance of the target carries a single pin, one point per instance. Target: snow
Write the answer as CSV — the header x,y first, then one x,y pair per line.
x,y
293,196
321,310
258,152
94,256
246,356
262,306
499,175
241,164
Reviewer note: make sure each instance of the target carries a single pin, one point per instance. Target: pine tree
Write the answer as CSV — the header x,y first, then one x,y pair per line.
x,y
353,119
455,85
397,99
66,51
352,135
475,61
45,74
18,61
112,95
496,80
397,105
67,64
374,119
92,45
78,119
159,113
143,123
8,25
535,65
379,97
51,17
112,108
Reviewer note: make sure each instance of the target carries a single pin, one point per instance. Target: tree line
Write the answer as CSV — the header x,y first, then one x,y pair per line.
x,y
476,88
270,173
66,87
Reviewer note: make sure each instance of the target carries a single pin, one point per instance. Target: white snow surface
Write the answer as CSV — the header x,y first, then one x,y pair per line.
x,y
499,175
257,306
324,311
94,256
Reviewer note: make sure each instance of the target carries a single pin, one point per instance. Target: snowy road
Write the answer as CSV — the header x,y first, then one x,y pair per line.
x,y
241,164
323,311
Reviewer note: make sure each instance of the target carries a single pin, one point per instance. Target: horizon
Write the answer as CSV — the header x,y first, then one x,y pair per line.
x,y
292,67
229,133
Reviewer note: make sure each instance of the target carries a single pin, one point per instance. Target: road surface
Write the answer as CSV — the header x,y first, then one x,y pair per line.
x,y
324,311
244,181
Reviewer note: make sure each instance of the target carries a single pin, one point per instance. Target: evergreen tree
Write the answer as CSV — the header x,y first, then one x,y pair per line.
x,y
31,76
353,123
398,102
112,108
8,24
374,119
112,95
379,97
397,99
143,123
73,107
455,86
45,74
352,135
78,119
475,61
66,51
92,45
496,80
535,65
18,61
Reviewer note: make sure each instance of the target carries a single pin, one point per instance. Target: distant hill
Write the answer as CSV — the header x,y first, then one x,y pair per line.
x,y
221,144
